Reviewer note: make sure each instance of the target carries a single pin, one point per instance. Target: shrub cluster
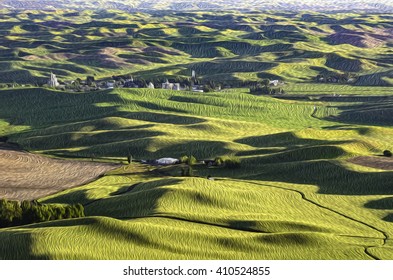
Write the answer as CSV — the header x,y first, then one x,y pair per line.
x,y
262,88
14,213
190,160
228,161
387,153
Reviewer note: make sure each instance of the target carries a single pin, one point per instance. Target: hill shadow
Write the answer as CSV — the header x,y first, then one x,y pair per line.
x,y
143,58
230,66
360,130
260,152
198,148
267,75
78,111
300,154
290,36
80,139
141,200
18,246
301,54
57,107
375,79
20,76
307,161
163,118
283,139
388,218
142,149
330,178
237,48
338,62
372,111
154,106
194,100
382,204
43,70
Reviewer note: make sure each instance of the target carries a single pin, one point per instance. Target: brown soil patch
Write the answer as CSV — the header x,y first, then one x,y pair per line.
x,y
356,39
161,50
108,51
383,163
26,176
55,56
102,59
363,39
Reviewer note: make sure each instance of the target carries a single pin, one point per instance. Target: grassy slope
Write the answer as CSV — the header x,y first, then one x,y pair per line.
x,y
294,197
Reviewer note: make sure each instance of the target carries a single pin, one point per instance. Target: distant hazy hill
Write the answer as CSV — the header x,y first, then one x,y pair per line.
x,y
129,5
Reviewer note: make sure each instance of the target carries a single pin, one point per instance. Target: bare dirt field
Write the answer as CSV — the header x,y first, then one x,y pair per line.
x,y
26,176
384,163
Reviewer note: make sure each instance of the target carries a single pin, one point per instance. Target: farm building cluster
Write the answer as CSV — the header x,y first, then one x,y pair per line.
x,y
91,84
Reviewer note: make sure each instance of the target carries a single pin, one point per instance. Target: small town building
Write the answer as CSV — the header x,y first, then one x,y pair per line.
x,y
197,88
170,86
90,80
53,80
129,83
110,84
167,161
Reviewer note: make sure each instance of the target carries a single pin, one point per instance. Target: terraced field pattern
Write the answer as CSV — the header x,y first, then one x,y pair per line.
x,y
312,182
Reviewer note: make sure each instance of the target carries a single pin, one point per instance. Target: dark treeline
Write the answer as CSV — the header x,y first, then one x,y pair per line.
x,y
15,213
264,87
346,78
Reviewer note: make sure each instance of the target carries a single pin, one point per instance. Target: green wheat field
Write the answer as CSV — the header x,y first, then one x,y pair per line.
x,y
301,191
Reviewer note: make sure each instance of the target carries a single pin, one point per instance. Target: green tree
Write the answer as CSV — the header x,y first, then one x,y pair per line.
x,y
191,160
207,88
10,212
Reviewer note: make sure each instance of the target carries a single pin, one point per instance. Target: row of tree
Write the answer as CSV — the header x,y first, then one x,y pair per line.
x,y
344,78
264,87
15,213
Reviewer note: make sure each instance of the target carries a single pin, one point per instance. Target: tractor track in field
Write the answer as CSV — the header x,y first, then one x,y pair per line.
x,y
385,236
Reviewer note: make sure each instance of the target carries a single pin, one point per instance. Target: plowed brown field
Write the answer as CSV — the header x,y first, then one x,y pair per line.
x,y
27,176
383,163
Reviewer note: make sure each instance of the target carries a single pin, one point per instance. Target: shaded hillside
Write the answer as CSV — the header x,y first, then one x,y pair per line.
x,y
361,39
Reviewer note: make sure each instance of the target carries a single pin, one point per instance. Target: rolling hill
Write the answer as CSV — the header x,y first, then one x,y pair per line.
x,y
230,47
296,195
312,182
